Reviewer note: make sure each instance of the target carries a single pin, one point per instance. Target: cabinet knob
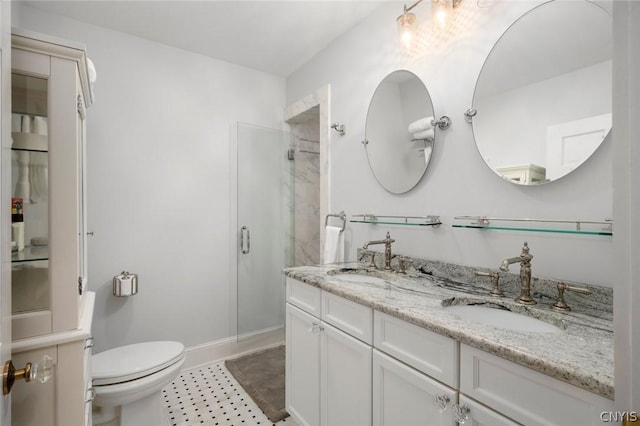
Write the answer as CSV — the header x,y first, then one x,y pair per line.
x,y
91,395
89,342
461,413
441,401
316,328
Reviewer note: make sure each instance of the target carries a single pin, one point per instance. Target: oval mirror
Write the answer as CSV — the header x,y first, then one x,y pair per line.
x,y
543,97
397,155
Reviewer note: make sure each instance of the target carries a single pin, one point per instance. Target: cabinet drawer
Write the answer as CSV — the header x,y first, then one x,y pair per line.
x,y
525,395
304,296
348,316
424,350
479,415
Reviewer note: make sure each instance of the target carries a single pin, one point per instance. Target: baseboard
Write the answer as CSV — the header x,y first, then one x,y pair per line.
x,y
232,347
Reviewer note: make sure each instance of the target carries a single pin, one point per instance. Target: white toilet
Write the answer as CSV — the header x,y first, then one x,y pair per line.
x,y
127,381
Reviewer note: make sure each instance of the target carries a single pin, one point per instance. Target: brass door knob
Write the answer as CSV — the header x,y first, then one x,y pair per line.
x,y
10,375
42,370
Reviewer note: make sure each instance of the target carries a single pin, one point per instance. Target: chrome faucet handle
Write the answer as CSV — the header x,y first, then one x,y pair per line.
x,y
496,291
402,264
561,304
372,264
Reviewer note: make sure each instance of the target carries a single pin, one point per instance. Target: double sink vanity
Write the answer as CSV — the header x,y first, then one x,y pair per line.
x,y
402,341
399,341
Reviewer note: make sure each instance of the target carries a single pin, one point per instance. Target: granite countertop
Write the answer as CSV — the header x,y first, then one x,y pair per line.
x,y
581,353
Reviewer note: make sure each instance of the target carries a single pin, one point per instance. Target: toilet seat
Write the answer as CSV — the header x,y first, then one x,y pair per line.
x,y
132,362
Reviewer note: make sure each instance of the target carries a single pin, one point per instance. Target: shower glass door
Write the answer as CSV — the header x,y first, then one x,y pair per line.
x,y
264,227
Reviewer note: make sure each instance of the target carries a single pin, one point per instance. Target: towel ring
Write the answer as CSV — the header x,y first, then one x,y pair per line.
x,y
340,215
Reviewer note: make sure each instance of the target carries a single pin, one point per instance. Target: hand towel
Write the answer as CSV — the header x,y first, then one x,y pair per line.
x,y
38,178
427,135
333,245
421,124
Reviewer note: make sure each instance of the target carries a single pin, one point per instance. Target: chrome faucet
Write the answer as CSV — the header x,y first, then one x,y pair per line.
x,y
525,274
387,249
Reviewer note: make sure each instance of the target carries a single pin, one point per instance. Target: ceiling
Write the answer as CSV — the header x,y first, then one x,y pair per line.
x,y
272,36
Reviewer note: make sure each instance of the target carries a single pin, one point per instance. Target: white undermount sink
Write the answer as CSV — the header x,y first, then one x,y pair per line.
x,y
359,278
500,318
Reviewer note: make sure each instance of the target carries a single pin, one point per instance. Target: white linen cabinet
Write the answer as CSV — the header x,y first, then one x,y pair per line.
x,y
51,310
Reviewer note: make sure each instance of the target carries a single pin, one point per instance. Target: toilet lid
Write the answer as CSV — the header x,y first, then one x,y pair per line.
x,y
131,362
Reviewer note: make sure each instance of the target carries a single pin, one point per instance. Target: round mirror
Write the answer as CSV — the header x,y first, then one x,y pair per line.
x,y
398,132
543,97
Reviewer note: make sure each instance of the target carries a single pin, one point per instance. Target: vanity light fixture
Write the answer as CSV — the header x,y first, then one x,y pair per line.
x,y
406,29
441,13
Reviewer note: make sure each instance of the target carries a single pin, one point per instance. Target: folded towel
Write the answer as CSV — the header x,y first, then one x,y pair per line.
x,y
427,135
333,245
39,126
16,123
421,124
427,154
26,123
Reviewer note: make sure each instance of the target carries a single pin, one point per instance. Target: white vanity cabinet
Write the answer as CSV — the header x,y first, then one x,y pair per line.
x,y
328,372
51,309
397,373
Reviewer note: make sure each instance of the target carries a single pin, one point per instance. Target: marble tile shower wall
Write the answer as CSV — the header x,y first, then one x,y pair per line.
x,y
307,191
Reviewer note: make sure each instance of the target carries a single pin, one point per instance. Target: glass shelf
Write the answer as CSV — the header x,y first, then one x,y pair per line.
x,y
30,254
29,142
581,227
396,220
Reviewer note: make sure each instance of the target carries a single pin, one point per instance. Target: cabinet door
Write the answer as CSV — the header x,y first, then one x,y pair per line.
x,y
345,379
34,403
302,366
46,176
404,396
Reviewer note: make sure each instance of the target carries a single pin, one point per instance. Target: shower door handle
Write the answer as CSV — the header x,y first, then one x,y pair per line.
x,y
242,231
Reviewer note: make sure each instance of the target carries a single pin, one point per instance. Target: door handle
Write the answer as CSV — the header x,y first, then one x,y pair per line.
x,y
242,231
42,370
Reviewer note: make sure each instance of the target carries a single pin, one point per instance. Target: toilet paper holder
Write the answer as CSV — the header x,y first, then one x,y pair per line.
x,y
125,284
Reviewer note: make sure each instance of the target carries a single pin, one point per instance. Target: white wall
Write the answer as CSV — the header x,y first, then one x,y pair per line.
x,y
158,179
626,158
457,181
525,111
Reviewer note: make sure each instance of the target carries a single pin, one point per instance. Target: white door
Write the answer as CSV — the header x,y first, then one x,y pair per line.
x,y
345,379
404,396
5,199
571,144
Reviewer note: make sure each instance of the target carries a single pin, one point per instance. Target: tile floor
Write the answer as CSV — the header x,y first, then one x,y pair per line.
x,y
211,396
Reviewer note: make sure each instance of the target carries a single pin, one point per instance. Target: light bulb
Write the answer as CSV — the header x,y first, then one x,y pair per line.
x,y
441,11
405,29
406,38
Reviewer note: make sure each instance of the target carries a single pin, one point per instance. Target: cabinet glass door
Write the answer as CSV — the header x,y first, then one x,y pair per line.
x,y
30,195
